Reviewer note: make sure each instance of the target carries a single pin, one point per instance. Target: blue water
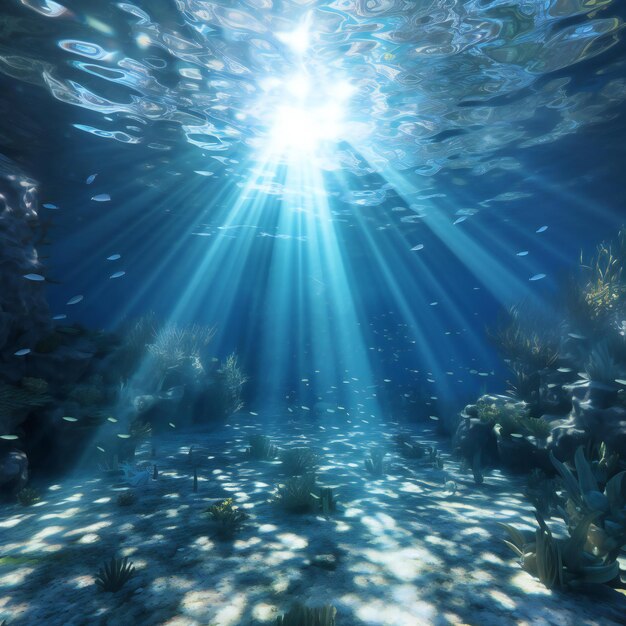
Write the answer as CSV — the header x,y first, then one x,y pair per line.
x,y
349,192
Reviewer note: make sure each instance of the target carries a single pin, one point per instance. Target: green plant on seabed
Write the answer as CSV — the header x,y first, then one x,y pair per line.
x,y
376,465
300,615
28,496
261,448
227,518
298,461
296,494
326,500
114,574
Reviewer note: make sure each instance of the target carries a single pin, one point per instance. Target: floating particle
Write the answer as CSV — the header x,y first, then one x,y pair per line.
x,y
537,277
576,336
523,253
74,300
49,205
34,277
459,220
114,257
541,229
90,179
117,275
101,197
22,352
61,316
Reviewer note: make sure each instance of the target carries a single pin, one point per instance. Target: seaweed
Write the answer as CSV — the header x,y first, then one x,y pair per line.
x,y
376,465
262,448
296,494
114,574
28,496
298,461
300,615
227,518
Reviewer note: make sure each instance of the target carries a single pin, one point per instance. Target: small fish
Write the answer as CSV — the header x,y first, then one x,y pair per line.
x,y
419,246
253,413
172,425
537,277
22,352
305,408
90,179
117,275
123,436
50,206
620,381
101,197
34,277
523,253
9,437
434,303
74,300
112,420
576,336
517,436
203,172
459,220
564,370
61,316
99,448
69,419
541,229
114,257
433,417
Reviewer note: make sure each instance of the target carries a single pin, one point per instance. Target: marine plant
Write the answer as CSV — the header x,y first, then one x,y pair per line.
x,y
560,562
375,464
408,449
28,496
173,343
298,461
126,498
586,496
232,380
326,500
262,448
27,396
227,519
296,494
300,615
601,367
114,574
542,491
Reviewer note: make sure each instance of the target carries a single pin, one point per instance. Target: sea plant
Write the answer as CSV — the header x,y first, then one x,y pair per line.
x,y
232,381
296,494
26,396
560,562
375,464
126,498
408,449
326,500
298,461
262,448
227,518
601,367
543,492
172,343
585,496
28,496
114,574
300,615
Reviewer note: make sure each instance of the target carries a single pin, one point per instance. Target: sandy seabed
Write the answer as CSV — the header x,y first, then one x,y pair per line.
x,y
403,550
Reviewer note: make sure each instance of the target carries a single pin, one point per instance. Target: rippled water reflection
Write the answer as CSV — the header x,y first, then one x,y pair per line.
x,y
432,84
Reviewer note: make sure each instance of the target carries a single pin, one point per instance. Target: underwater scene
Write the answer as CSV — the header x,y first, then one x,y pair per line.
x,y
312,313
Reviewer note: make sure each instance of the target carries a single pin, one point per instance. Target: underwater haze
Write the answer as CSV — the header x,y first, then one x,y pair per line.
x,y
312,313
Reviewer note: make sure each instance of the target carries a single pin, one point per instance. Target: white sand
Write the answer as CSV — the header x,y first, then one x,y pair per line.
x,y
400,552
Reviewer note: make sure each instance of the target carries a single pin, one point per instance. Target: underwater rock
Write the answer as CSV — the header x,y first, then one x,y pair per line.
x,y
13,471
24,312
